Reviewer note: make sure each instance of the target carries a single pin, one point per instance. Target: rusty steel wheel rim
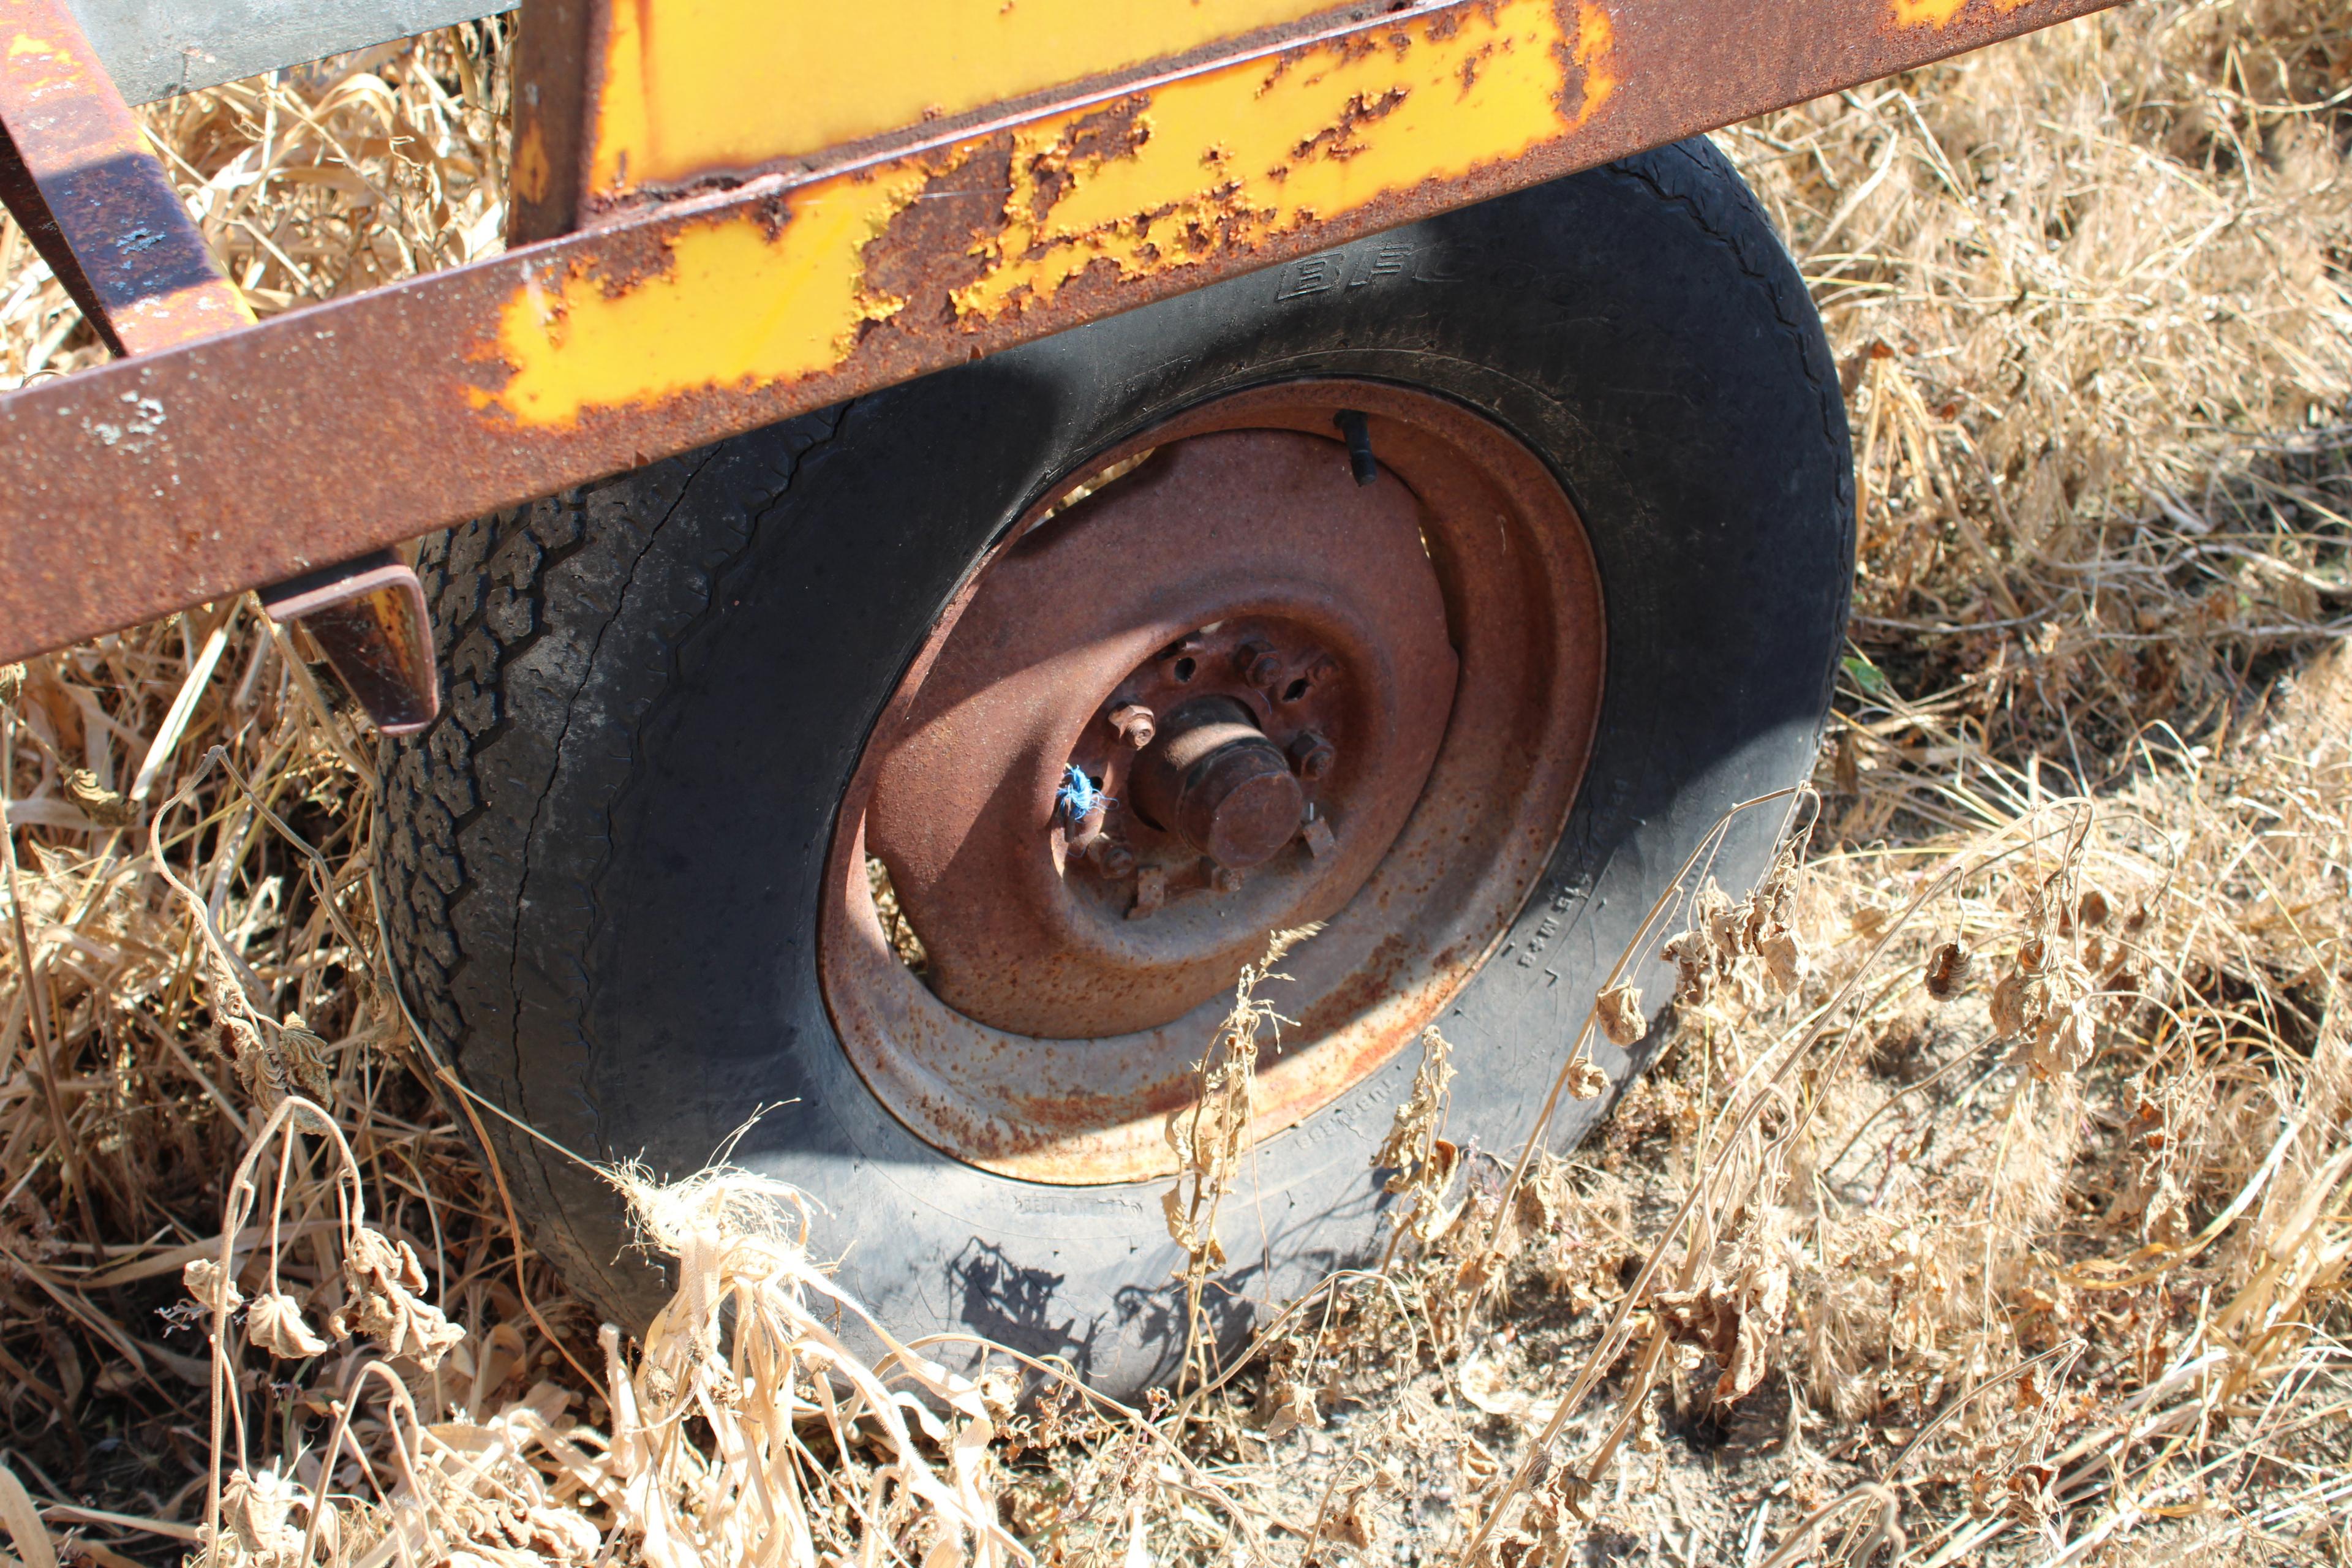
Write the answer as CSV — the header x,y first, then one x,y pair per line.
x,y
1310,699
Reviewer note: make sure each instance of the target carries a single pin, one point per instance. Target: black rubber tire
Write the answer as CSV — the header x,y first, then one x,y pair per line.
x,y
603,868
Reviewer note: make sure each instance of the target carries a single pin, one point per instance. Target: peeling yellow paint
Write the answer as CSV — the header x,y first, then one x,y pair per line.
x,y
1596,42
1942,13
694,85
1208,165
1312,139
1928,13
736,307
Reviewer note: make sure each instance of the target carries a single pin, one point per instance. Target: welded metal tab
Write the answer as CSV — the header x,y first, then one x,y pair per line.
x,y
368,616
94,201
669,328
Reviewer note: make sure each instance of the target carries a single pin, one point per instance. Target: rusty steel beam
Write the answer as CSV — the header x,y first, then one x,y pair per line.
x,y
96,205
138,488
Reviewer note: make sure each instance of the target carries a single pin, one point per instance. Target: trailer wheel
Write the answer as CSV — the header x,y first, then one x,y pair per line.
x,y
1442,589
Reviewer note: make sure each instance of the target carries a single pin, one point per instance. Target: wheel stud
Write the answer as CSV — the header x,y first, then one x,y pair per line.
x,y
1111,857
1311,754
1150,892
1259,665
1134,723
1224,878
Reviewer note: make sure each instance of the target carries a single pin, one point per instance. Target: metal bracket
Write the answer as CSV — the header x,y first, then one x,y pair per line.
x,y
368,616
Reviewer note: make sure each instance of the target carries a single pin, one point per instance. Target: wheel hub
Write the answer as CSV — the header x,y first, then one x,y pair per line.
x,y
1216,688
1215,783
1245,586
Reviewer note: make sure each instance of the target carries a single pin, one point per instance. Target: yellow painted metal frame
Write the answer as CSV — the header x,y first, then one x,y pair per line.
x,y
628,324
685,86
1156,178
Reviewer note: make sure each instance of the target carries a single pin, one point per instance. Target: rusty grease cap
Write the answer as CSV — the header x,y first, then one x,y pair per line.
x,y
1212,778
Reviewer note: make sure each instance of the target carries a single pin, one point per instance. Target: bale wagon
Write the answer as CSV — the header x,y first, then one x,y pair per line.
x,y
958,519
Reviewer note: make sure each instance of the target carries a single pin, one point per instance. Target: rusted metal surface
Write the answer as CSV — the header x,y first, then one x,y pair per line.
x,y
1142,596
552,104
96,203
594,353
368,616
103,213
1217,783
1411,908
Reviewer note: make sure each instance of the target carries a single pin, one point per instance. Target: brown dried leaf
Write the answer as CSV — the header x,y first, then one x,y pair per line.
x,y
1947,970
275,1323
2009,1006
304,1055
102,805
1622,1018
256,1507
1585,1080
1783,955
211,1285
2063,1042
384,1276
1736,1325
1694,964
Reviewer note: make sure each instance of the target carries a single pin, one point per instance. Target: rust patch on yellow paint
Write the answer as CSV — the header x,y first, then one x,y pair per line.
x,y
1596,45
1315,133
1209,166
728,302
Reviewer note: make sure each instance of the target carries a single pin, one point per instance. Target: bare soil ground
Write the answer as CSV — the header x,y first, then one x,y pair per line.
x,y
1990,1196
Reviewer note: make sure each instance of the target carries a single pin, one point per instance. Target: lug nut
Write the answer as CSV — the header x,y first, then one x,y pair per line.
x,y
1150,892
1134,723
1111,857
1259,664
1311,754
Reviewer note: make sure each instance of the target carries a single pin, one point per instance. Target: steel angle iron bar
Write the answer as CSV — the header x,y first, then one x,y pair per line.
x,y
102,213
97,206
379,417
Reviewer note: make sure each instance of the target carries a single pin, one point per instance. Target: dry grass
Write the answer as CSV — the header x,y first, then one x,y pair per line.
x,y
1993,1194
